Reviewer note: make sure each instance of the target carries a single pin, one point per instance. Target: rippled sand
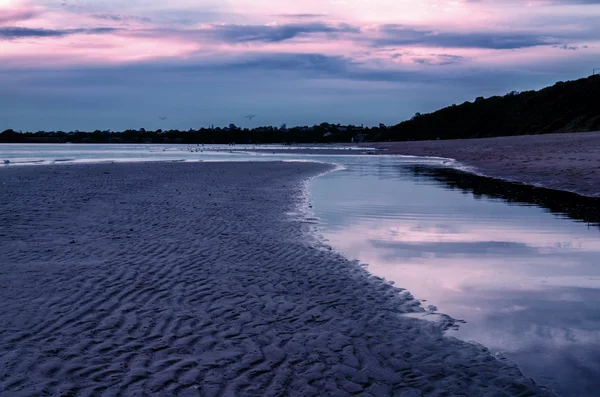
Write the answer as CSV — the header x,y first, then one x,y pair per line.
x,y
568,162
198,280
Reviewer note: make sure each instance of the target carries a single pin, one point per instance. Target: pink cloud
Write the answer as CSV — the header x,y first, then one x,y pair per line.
x,y
15,15
90,49
12,12
427,34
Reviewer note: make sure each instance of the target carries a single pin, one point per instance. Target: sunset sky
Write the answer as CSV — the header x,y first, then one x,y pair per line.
x,y
108,64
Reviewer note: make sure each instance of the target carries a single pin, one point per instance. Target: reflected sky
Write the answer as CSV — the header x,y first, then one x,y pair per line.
x,y
527,282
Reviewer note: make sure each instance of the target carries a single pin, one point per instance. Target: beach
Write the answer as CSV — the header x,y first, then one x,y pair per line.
x,y
206,279
569,162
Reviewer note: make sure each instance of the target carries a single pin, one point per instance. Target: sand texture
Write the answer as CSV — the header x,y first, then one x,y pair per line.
x,y
181,279
569,162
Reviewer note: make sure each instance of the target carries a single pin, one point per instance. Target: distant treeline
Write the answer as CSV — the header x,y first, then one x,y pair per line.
x,y
565,107
322,133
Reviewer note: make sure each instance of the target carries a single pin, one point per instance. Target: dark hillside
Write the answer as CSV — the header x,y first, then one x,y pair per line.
x,y
572,106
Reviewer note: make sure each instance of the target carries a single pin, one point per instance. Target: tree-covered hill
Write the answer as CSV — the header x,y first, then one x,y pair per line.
x,y
572,106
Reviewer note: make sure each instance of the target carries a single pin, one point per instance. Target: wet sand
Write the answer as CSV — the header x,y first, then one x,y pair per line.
x,y
203,280
569,162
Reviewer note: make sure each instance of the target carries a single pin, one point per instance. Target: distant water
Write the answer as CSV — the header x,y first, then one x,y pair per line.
x,y
527,282
30,154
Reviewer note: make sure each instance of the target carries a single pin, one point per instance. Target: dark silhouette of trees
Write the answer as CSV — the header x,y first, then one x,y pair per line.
x,y
9,136
321,133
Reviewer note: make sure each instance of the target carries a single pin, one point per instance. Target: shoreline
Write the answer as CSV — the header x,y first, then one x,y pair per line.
x,y
559,202
159,278
568,162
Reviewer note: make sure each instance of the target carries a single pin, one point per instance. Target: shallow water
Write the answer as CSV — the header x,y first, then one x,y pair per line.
x,y
31,154
527,282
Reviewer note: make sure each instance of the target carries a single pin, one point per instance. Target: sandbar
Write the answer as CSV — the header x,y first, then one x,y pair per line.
x,y
569,161
205,279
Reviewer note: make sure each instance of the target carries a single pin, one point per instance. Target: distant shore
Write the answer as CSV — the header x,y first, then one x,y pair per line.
x,y
569,162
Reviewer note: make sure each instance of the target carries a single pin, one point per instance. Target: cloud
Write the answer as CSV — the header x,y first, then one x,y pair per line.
x,y
574,2
16,15
541,2
314,63
439,59
398,249
380,36
299,66
273,33
333,67
19,32
120,18
401,35
302,16
569,47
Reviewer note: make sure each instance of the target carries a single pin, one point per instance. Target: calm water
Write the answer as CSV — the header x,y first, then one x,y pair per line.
x,y
526,282
18,154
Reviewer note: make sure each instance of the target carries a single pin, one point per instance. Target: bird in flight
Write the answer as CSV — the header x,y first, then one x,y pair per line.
x,y
162,118
250,116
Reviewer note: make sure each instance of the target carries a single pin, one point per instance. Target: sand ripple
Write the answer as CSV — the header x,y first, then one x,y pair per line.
x,y
189,280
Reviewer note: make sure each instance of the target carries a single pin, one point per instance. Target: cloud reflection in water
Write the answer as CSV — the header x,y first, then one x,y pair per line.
x,y
527,282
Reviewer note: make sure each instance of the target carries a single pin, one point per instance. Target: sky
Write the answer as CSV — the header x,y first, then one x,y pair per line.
x,y
108,64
